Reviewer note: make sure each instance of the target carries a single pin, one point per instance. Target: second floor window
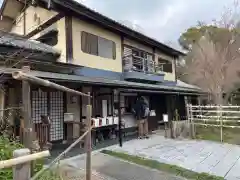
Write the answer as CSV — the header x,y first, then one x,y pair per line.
x,y
164,65
50,38
98,46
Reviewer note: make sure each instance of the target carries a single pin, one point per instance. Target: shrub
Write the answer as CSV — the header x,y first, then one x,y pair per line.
x,y
7,146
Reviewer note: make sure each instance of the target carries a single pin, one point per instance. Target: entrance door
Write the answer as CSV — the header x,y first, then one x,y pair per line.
x,y
39,106
56,115
157,103
49,103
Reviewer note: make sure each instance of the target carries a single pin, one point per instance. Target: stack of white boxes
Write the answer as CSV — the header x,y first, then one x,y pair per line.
x,y
105,121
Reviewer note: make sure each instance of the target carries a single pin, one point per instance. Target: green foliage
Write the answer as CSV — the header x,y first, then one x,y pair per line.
x,y
7,146
6,151
50,175
193,34
172,169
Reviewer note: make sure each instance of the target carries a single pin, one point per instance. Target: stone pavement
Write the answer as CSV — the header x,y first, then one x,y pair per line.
x,y
106,167
200,156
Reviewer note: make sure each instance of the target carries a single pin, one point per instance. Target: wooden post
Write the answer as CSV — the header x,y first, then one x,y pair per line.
x,y
192,122
165,130
28,127
58,158
21,171
219,115
89,140
170,113
119,119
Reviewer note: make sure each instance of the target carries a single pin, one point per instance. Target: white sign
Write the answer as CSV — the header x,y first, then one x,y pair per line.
x,y
152,113
68,117
165,117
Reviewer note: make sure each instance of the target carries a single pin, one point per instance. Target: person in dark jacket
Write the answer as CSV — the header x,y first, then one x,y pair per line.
x,y
141,111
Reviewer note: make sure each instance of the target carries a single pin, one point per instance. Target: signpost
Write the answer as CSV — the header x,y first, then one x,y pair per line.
x,y
165,120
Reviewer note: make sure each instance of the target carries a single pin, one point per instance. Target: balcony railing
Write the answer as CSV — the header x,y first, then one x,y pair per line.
x,y
139,64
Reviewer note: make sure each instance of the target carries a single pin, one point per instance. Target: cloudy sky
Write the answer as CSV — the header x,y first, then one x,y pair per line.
x,y
162,19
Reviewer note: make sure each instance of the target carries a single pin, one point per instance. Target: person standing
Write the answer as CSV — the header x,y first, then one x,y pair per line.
x,y
141,112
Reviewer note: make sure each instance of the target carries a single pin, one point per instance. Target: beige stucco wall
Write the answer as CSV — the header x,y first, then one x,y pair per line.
x,y
167,76
137,45
84,59
18,28
61,45
31,24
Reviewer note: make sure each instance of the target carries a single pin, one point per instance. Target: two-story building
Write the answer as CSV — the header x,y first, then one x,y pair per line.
x,y
97,55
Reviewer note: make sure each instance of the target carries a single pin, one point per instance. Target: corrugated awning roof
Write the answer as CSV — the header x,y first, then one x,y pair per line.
x,y
186,85
14,40
104,81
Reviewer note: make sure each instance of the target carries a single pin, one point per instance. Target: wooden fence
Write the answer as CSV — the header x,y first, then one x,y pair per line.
x,y
221,121
21,163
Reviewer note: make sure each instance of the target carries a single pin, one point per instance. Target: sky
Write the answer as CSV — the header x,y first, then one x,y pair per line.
x,y
163,20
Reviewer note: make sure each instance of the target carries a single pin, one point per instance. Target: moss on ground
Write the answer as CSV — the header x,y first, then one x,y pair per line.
x,y
171,169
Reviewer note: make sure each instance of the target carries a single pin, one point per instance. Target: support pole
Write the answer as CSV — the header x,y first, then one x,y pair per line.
x,y
89,140
19,75
119,119
26,100
219,114
21,171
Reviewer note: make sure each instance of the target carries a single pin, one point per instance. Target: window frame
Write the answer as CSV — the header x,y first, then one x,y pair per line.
x,y
114,48
163,65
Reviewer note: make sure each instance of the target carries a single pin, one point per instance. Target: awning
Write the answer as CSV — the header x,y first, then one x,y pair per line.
x,y
107,82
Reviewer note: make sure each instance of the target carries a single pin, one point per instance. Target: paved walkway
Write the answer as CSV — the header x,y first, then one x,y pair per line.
x,y
200,156
106,167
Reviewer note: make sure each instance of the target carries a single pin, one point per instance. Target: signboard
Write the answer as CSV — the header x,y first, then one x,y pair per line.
x,y
152,113
165,117
68,117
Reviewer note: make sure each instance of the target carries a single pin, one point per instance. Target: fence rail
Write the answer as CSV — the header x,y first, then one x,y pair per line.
x,y
23,159
222,118
212,106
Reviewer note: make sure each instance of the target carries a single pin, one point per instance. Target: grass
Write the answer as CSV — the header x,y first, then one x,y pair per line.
x,y
50,175
171,169
230,135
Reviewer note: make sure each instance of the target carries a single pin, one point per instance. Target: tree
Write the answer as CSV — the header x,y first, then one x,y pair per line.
x,y
213,61
229,21
194,34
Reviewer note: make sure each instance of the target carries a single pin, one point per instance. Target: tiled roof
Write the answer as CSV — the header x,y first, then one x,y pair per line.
x,y
14,40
